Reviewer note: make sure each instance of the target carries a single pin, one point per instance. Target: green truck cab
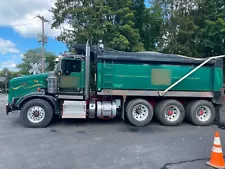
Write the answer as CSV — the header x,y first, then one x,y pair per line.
x,y
101,83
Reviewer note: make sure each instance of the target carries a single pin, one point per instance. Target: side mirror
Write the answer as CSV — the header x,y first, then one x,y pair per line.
x,y
100,46
59,72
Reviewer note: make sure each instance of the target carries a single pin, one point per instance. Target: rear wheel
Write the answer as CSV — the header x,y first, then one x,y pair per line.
x,y
36,113
170,112
127,105
187,109
139,112
201,113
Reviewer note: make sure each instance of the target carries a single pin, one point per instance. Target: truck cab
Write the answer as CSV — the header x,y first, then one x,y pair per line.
x,y
58,92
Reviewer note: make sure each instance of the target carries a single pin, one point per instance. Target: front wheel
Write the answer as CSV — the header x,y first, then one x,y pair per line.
x,y
36,113
139,112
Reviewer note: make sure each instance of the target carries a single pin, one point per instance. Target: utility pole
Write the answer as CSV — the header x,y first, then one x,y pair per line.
x,y
6,79
43,40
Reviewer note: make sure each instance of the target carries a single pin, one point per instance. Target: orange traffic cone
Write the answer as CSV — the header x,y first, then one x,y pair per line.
x,y
216,159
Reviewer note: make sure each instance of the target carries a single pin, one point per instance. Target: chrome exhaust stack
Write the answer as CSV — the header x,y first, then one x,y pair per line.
x,y
87,71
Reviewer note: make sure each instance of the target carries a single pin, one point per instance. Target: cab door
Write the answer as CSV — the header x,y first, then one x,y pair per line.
x,y
71,79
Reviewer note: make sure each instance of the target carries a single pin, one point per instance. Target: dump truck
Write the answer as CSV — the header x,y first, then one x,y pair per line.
x,y
96,82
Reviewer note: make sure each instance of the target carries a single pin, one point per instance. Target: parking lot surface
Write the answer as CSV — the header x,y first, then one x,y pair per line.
x,y
100,144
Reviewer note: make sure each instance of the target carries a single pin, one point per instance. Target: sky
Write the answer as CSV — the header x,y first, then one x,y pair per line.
x,y
19,28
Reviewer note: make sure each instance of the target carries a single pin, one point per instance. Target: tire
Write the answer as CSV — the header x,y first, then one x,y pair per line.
x,y
208,110
146,109
177,113
127,105
125,110
44,116
187,109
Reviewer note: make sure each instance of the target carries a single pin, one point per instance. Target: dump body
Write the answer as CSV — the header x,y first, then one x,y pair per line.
x,y
157,77
121,74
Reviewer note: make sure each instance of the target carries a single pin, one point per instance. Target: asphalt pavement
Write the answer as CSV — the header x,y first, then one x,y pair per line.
x,y
101,144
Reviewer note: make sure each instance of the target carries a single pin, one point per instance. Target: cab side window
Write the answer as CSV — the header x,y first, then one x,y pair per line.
x,y
69,66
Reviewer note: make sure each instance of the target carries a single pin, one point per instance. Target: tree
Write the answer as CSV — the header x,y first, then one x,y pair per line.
x,y
10,75
194,28
108,20
179,31
189,27
212,27
149,23
34,56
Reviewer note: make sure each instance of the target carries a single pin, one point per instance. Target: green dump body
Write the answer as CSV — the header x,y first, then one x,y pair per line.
x,y
156,75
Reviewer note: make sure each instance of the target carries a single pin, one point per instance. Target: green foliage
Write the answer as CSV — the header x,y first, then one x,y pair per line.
x,y
108,20
34,56
212,30
195,28
11,74
149,23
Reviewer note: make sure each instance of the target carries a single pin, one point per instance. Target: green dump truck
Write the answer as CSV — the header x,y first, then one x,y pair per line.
x,y
102,83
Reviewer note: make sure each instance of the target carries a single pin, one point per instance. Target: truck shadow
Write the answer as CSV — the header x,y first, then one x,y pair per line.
x,y
83,122
125,125
115,125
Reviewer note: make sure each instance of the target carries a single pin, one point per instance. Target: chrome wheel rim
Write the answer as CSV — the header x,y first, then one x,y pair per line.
x,y
140,112
203,113
172,113
36,114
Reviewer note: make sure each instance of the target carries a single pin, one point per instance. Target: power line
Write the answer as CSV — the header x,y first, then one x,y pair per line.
x,y
24,23
20,25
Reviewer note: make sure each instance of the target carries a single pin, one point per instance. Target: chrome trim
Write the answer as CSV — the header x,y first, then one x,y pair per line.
x,y
155,93
70,97
87,71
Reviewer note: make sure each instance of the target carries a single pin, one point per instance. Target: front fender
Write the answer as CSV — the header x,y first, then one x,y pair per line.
x,y
38,95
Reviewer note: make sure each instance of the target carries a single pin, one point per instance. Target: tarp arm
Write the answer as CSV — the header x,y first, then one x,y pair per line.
x,y
162,93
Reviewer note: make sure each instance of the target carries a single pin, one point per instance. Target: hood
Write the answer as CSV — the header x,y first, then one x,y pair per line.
x,y
27,77
21,86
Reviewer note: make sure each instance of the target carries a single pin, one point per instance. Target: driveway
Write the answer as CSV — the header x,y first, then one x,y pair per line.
x,y
99,144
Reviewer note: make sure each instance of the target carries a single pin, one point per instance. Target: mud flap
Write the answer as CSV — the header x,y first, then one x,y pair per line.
x,y
123,108
220,116
122,113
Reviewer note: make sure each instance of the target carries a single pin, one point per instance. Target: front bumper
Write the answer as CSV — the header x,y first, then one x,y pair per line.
x,y
8,108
